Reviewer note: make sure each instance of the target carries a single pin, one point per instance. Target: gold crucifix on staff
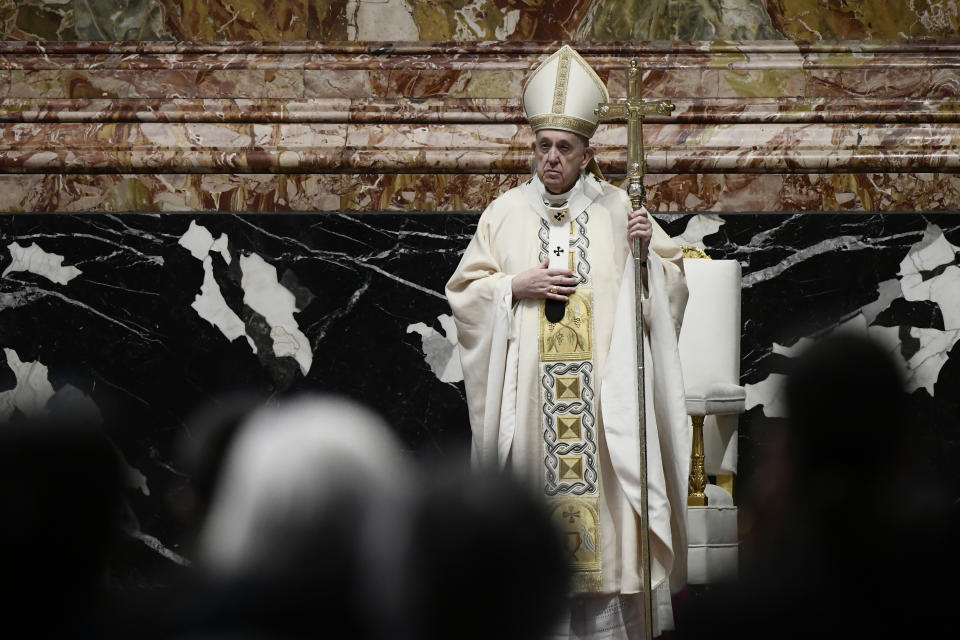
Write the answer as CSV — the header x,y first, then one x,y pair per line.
x,y
633,109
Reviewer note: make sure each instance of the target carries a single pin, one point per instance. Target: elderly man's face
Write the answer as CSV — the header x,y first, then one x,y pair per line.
x,y
560,156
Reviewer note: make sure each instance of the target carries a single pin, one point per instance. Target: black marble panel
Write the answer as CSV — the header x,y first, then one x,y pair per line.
x,y
895,276
123,334
120,335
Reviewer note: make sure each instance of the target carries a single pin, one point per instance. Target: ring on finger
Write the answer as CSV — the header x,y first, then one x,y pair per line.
x,y
553,290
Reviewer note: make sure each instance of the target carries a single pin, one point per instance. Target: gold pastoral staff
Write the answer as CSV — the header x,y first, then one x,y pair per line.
x,y
633,109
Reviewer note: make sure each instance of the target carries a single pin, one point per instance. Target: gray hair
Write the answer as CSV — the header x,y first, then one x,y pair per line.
x,y
288,476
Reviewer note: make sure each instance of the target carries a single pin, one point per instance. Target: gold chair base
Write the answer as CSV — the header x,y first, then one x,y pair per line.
x,y
697,500
698,477
725,481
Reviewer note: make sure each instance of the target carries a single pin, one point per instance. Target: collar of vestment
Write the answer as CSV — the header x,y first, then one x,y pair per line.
x,y
585,191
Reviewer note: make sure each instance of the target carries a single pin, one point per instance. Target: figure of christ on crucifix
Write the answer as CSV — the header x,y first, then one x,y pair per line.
x,y
545,305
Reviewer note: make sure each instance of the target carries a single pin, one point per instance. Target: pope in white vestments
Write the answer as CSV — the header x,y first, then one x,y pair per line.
x,y
543,300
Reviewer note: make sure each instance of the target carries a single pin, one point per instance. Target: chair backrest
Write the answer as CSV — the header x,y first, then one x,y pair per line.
x,y
710,334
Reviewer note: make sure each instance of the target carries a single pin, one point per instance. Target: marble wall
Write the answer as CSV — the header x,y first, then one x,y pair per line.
x,y
166,166
756,126
470,20
141,318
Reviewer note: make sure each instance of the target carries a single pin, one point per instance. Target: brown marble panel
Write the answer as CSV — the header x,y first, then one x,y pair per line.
x,y
172,110
943,83
489,20
473,148
906,82
441,57
389,49
761,83
8,16
283,83
413,83
235,19
328,139
152,83
169,192
27,192
713,192
862,19
260,192
105,84
37,20
417,83
731,193
13,56
740,110
118,20
250,192
804,192
418,192
806,148
36,84
327,20
247,83
758,57
342,84
406,121
434,110
728,110
847,83
446,57
452,148
670,83
516,21
871,191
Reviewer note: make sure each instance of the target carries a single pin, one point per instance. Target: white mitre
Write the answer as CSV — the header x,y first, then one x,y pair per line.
x,y
562,93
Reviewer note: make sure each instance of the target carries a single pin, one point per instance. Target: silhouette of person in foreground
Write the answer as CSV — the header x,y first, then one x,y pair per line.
x,y
321,526
281,551
60,505
850,534
483,561
200,452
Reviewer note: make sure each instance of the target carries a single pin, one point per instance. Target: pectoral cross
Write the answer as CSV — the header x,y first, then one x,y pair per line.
x,y
633,109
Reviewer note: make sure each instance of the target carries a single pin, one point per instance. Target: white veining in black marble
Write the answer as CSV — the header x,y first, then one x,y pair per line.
x,y
155,319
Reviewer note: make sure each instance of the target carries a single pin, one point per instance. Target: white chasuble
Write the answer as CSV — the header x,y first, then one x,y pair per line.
x,y
552,402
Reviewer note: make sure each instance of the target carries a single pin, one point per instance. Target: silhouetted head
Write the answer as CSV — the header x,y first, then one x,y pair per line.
x,y
200,451
61,495
846,405
484,560
285,532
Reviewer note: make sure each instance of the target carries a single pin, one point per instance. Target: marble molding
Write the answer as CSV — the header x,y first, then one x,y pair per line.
x,y
420,126
472,20
143,318
478,149
419,193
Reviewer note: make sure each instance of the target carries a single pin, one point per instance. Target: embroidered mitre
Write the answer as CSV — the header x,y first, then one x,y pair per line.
x,y
562,93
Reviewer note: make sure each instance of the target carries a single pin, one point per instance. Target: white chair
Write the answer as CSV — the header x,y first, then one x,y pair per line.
x,y
710,359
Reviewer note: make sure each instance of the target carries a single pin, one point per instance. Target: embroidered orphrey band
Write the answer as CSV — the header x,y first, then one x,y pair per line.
x,y
571,477
559,121
563,76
